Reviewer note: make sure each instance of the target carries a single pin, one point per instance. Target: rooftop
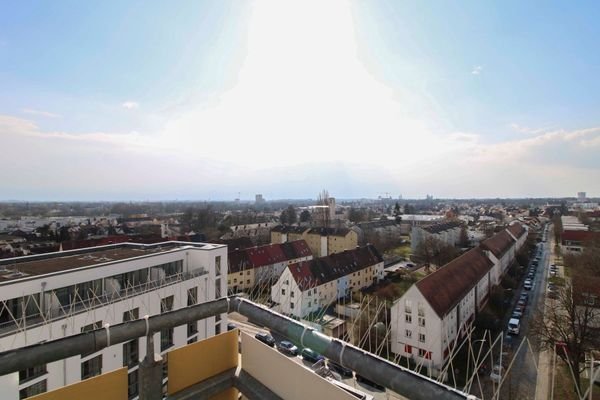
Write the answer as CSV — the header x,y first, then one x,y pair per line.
x,y
20,267
444,288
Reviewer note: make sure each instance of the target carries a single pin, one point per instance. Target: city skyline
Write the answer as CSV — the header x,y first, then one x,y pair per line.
x,y
205,100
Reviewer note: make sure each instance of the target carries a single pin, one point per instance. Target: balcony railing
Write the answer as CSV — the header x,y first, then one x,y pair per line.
x,y
31,320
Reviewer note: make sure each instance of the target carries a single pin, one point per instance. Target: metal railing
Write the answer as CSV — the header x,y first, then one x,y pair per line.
x,y
32,320
399,379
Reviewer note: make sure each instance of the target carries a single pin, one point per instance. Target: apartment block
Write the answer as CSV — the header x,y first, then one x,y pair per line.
x,y
60,294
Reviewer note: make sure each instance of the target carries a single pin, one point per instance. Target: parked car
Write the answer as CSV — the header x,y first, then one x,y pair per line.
x,y
497,373
522,303
552,272
528,285
514,326
265,338
343,371
516,314
287,347
362,379
524,297
310,355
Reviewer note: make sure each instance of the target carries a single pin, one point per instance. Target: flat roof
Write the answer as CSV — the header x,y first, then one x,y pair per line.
x,y
22,267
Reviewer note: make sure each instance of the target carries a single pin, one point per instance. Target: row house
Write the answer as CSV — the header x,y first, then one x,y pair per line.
x,y
429,320
260,265
309,286
321,241
447,232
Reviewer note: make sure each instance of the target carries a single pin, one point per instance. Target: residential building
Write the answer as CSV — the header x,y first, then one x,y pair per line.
x,y
260,265
309,286
327,241
321,241
288,233
431,317
574,241
447,232
55,295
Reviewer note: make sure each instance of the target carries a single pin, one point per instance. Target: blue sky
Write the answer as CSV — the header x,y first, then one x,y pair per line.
x,y
205,99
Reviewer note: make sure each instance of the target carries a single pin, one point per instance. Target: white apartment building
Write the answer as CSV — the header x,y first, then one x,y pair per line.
x,y
309,286
54,295
446,232
436,312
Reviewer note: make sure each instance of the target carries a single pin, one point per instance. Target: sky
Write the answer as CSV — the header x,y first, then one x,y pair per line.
x,y
149,100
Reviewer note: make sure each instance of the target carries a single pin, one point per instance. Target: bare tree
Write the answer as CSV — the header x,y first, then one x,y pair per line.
x,y
570,326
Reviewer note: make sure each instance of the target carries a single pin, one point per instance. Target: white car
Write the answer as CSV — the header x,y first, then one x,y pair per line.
x,y
514,326
496,374
528,285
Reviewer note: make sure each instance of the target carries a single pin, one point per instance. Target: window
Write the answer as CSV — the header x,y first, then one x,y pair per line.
x,y
91,367
247,272
408,306
218,266
131,315
192,296
32,373
421,321
91,327
166,304
422,337
132,384
166,335
166,338
408,349
234,280
192,328
292,293
408,318
408,333
131,353
283,292
36,388
218,288
248,281
421,310
309,303
292,305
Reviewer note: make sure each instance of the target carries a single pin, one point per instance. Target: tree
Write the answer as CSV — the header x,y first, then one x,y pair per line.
x,y
305,216
397,211
568,328
291,215
464,237
288,215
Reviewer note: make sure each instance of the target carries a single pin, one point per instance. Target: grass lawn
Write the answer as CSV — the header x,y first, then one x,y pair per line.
x,y
400,251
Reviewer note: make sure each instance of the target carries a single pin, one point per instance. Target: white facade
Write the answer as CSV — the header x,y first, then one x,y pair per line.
x,y
175,276
419,333
301,301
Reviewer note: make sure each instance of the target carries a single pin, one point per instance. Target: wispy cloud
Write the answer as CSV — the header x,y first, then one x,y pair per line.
x,y
528,131
40,113
477,70
131,105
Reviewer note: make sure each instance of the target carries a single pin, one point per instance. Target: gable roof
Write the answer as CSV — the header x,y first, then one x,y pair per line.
x,y
442,226
498,244
444,288
254,257
517,230
330,231
289,229
308,274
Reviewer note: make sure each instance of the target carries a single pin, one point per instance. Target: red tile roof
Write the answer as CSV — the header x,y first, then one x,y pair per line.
x,y
255,257
578,236
498,244
517,229
444,288
315,272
